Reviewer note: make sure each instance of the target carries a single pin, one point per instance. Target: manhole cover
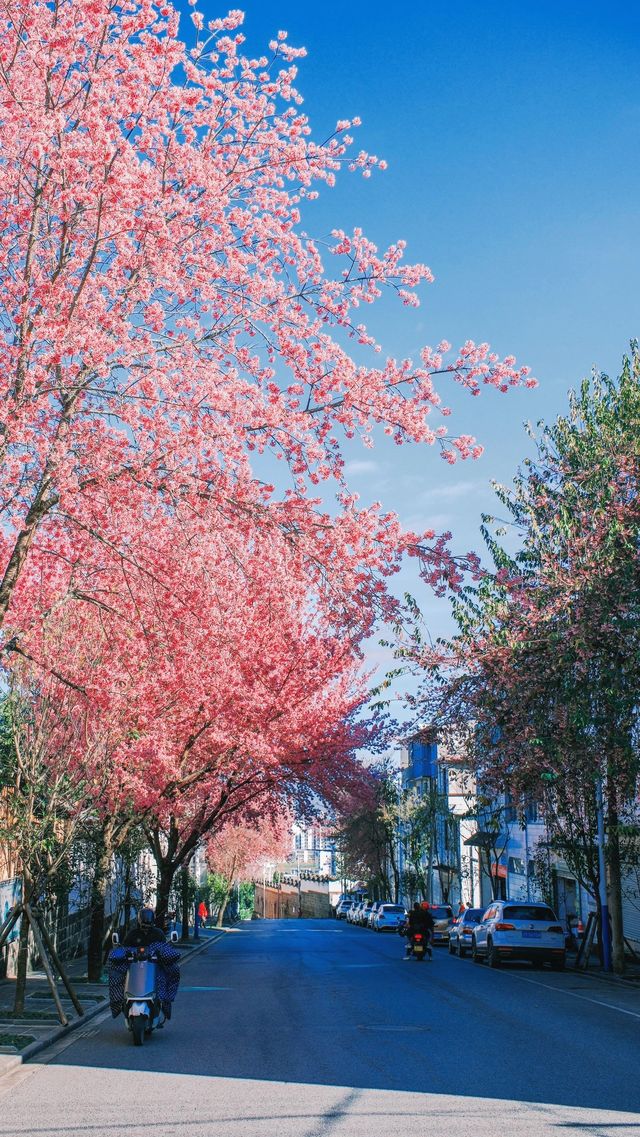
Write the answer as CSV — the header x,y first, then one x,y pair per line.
x,y
398,1029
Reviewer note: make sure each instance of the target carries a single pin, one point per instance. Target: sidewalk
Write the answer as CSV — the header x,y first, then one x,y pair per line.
x,y
593,970
39,1025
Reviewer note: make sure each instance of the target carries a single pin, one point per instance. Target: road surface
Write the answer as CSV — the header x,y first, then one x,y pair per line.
x,y
317,1029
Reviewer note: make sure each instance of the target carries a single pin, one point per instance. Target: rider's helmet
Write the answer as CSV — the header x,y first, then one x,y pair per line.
x,y
417,907
146,918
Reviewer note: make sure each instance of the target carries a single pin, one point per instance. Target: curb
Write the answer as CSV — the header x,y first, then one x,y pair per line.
x,y
606,977
42,1043
62,1031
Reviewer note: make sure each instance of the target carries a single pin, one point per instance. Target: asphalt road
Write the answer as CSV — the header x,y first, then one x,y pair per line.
x,y
315,1029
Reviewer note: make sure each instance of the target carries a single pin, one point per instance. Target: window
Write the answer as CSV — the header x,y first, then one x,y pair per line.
x,y
444,912
528,912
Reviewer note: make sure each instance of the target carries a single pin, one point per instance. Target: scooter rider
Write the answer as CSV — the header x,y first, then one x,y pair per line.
x,y
145,932
420,920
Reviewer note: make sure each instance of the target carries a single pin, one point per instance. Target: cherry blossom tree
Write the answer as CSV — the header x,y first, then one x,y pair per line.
x,y
165,318
238,849
224,669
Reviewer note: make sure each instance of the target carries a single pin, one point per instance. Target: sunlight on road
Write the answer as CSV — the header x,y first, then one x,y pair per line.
x,y
72,1100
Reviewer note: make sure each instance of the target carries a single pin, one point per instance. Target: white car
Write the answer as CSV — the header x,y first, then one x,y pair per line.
x,y
372,914
389,917
518,930
342,908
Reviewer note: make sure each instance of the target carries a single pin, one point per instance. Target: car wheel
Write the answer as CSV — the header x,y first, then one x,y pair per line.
x,y
452,947
493,957
461,951
475,954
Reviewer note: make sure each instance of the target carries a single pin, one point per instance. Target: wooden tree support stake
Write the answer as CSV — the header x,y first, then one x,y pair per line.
x,y
45,963
57,963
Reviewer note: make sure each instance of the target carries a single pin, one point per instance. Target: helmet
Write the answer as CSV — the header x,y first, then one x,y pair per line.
x,y
417,907
146,918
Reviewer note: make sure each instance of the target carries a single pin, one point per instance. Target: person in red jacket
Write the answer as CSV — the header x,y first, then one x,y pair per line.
x,y
203,913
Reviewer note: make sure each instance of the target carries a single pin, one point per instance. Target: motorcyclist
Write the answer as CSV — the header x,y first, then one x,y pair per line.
x,y
145,931
420,920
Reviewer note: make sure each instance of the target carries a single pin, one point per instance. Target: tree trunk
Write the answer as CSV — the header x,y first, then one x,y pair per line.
x,y
166,873
95,948
615,882
223,906
126,901
164,848
21,968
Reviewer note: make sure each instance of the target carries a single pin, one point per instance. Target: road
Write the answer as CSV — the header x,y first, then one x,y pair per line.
x,y
317,1029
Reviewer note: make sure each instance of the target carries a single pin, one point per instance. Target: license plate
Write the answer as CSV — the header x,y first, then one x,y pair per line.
x,y
531,935
418,949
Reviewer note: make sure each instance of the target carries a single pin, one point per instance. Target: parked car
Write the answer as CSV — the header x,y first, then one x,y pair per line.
x,y
352,914
372,915
342,908
511,930
442,921
461,931
389,917
366,912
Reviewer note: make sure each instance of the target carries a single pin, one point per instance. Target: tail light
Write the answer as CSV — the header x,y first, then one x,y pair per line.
x,y
555,928
417,938
504,928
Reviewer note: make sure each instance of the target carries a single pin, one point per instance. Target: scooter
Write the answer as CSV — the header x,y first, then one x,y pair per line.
x,y
142,1009
419,945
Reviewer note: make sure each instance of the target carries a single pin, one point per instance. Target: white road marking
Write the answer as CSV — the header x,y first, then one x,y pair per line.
x,y
574,995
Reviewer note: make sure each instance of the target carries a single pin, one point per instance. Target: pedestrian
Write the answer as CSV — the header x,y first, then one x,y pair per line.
x,y
203,914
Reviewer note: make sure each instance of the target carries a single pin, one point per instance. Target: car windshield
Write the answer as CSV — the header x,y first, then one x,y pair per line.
x,y
529,912
473,915
441,913
390,909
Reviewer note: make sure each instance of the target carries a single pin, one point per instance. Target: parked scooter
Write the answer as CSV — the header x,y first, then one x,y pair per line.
x,y
142,1008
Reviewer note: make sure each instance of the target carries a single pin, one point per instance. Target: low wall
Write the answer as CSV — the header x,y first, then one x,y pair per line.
x,y
280,902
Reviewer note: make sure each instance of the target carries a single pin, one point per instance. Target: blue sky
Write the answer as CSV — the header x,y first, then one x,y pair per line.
x,y
512,135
